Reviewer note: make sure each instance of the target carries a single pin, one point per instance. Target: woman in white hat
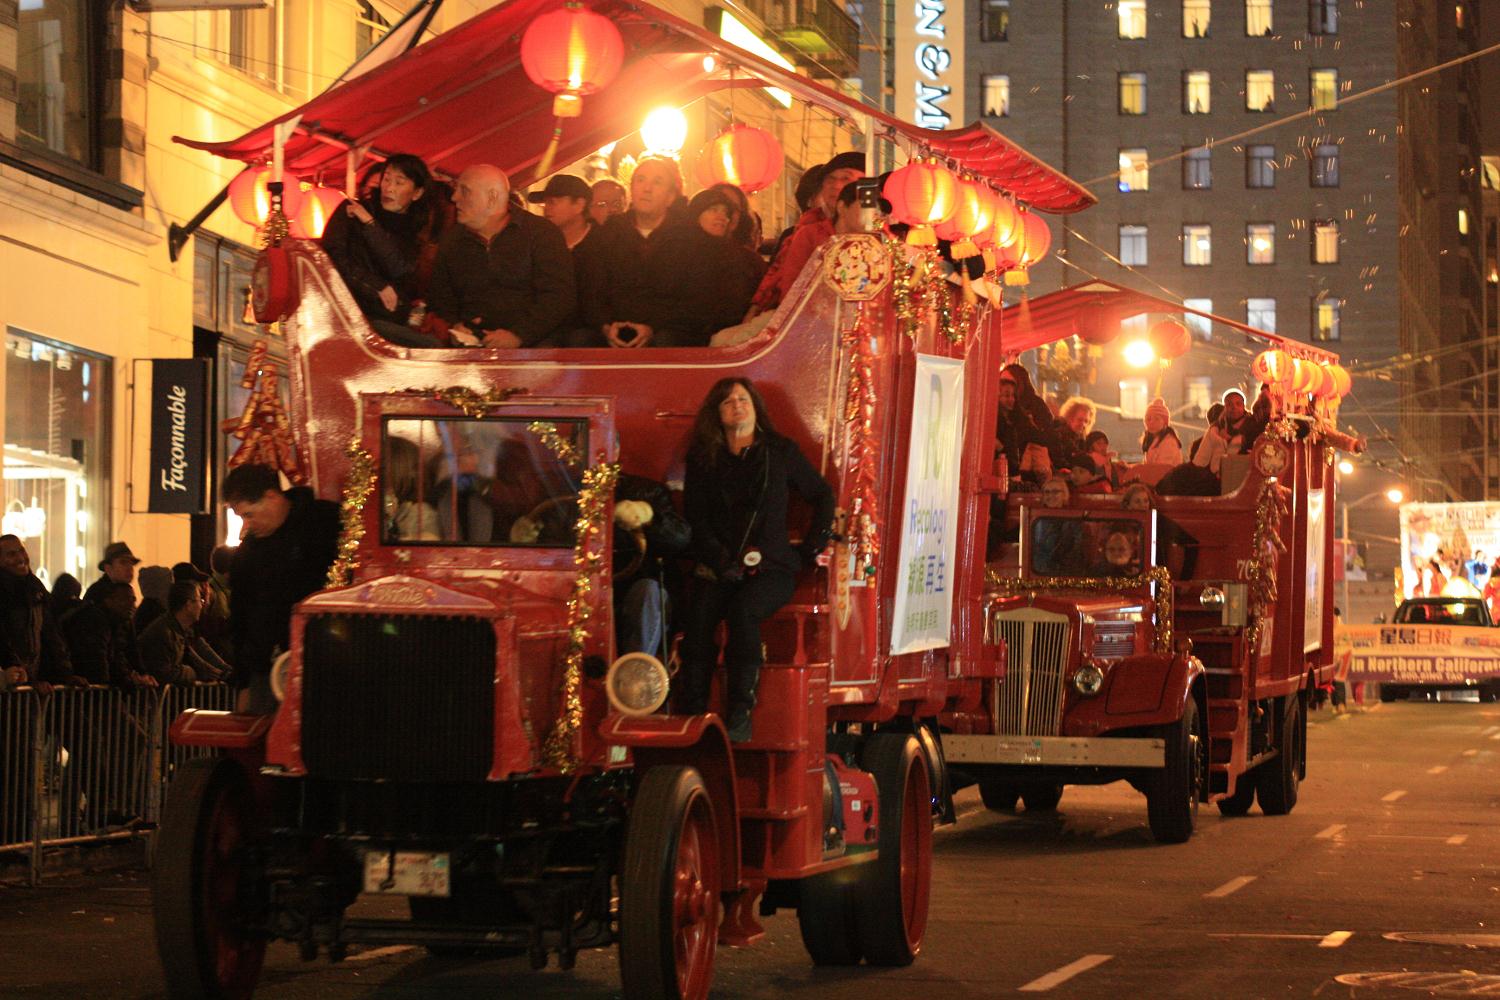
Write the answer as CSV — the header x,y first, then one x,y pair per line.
x,y
1160,444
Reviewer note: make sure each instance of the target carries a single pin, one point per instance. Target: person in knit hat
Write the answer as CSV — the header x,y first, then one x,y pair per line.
x,y
1160,445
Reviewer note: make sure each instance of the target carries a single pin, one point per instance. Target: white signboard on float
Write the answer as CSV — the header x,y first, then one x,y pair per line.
x,y
1317,544
923,615
929,54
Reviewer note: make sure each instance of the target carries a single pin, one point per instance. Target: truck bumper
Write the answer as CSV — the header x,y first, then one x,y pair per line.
x,y
1074,751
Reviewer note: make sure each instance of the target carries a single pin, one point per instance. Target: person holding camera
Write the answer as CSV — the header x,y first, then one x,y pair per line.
x,y
740,476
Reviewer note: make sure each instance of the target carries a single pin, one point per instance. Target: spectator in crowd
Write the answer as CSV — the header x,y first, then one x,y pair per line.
x,y
407,515
67,594
376,245
1075,418
1094,471
32,651
1057,544
369,182
171,649
1160,445
1241,429
1027,399
806,194
291,538
1118,554
503,278
187,571
649,535
1214,413
1014,428
118,564
813,230
565,204
608,198
214,625
155,582
101,639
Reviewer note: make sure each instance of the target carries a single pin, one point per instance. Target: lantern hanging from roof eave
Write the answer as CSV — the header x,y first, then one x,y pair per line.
x,y
1096,324
318,205
1322,386
1273,368
572,52
1038,238
1169,339
250,196
922,195
974,215
750,158
1304,376
1342,381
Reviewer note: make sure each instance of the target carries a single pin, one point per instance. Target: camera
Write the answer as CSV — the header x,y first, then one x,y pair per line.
x,y
627,333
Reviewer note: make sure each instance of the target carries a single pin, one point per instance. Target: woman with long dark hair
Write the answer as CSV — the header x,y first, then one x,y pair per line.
x,y
740,475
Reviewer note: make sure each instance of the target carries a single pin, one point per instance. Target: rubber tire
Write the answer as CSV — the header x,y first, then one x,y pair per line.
x,y
1278,780
1172,796
1041,797
204,791
668,800
1243,798
825,914
893,891
999,794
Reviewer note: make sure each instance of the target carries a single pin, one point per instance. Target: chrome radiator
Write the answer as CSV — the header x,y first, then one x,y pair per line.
x,y
1029,701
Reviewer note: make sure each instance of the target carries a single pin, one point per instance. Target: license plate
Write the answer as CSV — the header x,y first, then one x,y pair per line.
x,y
413,873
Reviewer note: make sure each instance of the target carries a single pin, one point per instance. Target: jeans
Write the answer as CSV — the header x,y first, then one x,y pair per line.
x,y
642,617
743,606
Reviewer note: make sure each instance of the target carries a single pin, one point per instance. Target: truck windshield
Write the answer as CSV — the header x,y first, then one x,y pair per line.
x,y
1082,547
480,482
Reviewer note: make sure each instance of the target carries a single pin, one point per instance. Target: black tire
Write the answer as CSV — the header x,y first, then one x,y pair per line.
x,y
1172,796
199,903
825,913
999,794
667,933
1041,797
1239,803
892,892
1392,692
1489,692
1278,779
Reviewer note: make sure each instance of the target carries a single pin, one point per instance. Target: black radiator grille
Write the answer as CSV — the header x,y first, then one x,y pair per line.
x,y
398,697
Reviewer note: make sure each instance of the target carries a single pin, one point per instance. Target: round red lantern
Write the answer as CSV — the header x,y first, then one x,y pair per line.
x,y
1322,387
1011,255
250,196
318,206
572,52
1096,324
1038,238
1273,368
968,218
1342,382
750,158
1304,375
1007,222
1169,339
921,195
991,201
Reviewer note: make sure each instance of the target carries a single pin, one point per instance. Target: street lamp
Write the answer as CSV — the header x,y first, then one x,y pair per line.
x,y
1393,495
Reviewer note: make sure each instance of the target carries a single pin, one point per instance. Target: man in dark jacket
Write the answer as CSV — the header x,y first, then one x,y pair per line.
x,y
649,535
32,650
118,565
101,639
291,538
171,649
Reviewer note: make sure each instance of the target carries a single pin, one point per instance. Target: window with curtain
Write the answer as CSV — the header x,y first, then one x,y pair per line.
x,y
1198,326
1134,395
1258,21
1260,243
994,20
1132,93
1135,175
1132,15
1325,165
57,90
1260,90
1323,17
1198,394
1197,92
1325,241
1197,245
1197,169
1323,85
1326,319
1261,314
995,91
1260,166
1196,15
1133,246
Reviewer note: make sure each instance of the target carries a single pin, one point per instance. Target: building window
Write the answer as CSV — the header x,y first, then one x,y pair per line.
x,y
1325,242
1197,169
1463,222
253,45
1132,93
1133,246
1323,17
58,418
57,96
1197,92
1197,245
1133,398
1323,84
1195,18
996,90
1135,175
1260,90
1198,395
994,21
1132,18
1199,326
1261,314
1260,166
1325,166
1326,319
1260,243
1258,18
369,27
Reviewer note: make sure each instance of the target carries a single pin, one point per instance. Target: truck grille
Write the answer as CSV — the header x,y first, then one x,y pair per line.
x,y
1029,701
398,697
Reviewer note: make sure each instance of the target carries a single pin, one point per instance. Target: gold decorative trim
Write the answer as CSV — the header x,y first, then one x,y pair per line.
x,y
471,403
358,485
1012,586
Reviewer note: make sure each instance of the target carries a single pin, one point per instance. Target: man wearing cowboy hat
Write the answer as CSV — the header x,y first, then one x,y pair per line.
x,y
118,566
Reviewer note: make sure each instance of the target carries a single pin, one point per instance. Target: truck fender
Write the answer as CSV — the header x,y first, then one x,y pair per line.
x,y
1177,676
1187,673
199,727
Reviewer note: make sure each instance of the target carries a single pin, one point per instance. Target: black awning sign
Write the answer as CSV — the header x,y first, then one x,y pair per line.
x,y
179,416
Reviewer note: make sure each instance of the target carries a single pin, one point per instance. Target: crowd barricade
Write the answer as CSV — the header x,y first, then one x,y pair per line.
x,y
87,765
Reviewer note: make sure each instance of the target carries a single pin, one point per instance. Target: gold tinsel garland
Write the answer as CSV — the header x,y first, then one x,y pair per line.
x,y
358,485
921,289
859,420
560,446
466,400
1266,549
1010,586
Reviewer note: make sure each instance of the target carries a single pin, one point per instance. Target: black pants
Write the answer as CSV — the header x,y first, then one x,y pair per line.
x,y
743,605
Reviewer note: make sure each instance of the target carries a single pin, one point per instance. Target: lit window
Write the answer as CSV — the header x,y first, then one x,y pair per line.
x,y
1324,86
1197,88
996,90
1199,326
1463,222
1197,169
1325,166
1260,243
1460,14
252,43
1323,17
1260,166
57,105
1198,394
1197,245
1490,176
1325,241
1134,174
1195,18
1326,319
994,20
1261,314
1133,398
1132,18
1260,90
1132,93
1133,246
1258,18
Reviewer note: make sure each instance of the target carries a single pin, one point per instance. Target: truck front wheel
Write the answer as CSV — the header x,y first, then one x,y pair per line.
x,y
1042,797
999,794
893,890
1278,779
1172,796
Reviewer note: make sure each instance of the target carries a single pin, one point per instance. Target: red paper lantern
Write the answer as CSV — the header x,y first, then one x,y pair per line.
x,y
1342,382
921,195
749,158
1323,382
1304,376
1007,222
1011,255
991,201
572,52
1096,324
1169,339
1273,368
970,218
318,206
250,197
1038,238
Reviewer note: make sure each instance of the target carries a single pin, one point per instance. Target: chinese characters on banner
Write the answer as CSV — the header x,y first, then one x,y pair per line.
x,y
929,512
1418,654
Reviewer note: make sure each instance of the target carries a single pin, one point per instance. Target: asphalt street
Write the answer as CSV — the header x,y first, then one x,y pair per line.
x,y
1383,883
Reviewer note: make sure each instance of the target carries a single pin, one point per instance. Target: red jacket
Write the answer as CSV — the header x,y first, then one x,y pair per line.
x,y
813,228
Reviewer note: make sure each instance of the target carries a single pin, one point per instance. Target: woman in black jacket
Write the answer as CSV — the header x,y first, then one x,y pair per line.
x,y
740,474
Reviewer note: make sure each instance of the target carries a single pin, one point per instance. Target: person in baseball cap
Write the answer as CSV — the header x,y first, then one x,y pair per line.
x,y
118,566
187,571
565,204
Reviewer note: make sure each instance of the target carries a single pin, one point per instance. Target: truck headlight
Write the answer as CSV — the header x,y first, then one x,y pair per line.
x,y
637,684
280,667
1088,680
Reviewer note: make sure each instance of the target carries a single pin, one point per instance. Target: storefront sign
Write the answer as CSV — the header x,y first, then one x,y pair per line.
x,y
930,62
179,415
1417,654
929,514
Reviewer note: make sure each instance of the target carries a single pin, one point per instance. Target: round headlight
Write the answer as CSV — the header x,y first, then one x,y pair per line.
x,y
1211,597
637,684
280,667
1088,679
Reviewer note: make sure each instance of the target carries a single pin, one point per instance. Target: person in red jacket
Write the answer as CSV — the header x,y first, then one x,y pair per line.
x,y
813,230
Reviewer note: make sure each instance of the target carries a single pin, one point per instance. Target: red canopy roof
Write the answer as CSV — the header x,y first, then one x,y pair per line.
x,y
1033,322
464,98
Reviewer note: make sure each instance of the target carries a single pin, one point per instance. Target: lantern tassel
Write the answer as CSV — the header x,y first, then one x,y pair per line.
x,y
1018,277
921,236
544,165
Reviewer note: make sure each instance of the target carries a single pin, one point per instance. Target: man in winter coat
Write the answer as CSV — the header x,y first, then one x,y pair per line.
x,y
118,565
32,650
101,638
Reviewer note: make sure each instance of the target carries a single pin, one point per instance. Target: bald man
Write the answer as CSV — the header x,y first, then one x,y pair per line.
x,y
503,278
